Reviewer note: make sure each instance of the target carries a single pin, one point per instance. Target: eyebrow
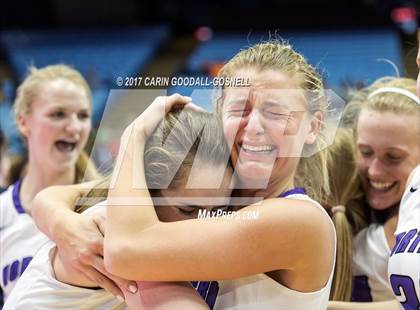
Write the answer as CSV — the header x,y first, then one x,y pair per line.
x,y
390,148
66,107
273,103
240,101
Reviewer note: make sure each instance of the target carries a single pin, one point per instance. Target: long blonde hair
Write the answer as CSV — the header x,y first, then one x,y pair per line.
x,y
28,91
345,189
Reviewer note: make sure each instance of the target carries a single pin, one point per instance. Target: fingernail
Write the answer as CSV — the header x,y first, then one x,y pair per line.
x,y
120,298
132,288
188,98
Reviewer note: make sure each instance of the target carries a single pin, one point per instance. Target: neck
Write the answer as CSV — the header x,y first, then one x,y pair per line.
x,y
37,179
273,189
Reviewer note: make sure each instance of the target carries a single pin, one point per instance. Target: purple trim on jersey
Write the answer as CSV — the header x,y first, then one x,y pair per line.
x,y
293,191
16,197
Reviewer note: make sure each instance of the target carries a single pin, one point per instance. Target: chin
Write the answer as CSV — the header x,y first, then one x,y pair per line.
x,y
379,204
64,166
256,174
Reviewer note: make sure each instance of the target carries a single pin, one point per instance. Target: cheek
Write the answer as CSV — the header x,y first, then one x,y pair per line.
x,y
41,131
401,173
362,165
230,128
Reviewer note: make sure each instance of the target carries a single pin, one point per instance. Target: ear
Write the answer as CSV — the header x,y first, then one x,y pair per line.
x,y
315,126
23,125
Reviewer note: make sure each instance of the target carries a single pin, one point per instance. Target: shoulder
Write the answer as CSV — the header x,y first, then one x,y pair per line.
x,y
301,209
304,220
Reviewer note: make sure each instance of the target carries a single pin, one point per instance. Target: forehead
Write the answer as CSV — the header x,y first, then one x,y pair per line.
x,y
387,129
63,93
269,79
266,86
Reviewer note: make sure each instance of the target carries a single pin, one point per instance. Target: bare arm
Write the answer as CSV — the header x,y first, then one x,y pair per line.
x,y
288,234
382,305
78,238
150,295
53,208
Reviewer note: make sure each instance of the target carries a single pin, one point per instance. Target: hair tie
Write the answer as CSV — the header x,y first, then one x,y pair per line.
x,y
397,90
337,209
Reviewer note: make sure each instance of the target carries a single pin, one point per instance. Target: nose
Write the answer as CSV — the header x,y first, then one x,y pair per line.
x,y
74,125
254,126
376,168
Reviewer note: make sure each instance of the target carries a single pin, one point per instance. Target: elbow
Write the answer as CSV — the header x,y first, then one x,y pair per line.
x,y
120,258
114,258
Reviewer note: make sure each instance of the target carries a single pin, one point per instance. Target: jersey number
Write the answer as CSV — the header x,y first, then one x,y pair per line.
x,y
403,286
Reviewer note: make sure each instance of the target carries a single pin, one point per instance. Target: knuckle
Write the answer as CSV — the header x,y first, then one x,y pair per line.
x,y
85,256
96,246
93,242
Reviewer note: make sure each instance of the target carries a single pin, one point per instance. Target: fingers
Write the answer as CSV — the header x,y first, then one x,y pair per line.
x,y
98,264
176,101
104,282
100,221
194,107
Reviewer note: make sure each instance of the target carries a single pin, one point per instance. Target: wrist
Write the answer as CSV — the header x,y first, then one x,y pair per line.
x,y
62,225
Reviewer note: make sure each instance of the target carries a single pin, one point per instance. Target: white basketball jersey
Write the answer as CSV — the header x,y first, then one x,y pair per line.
x,y
20,239
370,265
262,292
404,262
39,289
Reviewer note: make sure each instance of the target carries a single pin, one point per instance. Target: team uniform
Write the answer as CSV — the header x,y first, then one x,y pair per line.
x,y
404,262
19,238
261,292
370,265
39,289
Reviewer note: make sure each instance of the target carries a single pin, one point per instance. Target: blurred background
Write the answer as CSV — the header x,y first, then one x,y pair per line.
x,y
352,42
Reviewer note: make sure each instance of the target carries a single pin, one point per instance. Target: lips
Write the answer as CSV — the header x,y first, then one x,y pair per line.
x,y
261,152
258,149
381,186
65,146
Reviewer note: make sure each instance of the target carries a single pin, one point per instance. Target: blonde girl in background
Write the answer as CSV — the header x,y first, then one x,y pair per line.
x,y
52,110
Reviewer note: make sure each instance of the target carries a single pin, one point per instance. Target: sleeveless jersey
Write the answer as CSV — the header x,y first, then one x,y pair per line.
x,y
261,292
370,265
39,289
19,238
404,262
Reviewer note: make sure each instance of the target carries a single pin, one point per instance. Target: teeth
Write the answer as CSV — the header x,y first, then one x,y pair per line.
x,y
261,148
65,146
380,185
